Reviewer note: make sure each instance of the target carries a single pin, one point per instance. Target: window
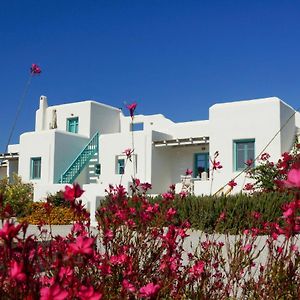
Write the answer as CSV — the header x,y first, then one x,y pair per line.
x,y
97,169
201,164
137,127
72,125
243,151
35,167
120,166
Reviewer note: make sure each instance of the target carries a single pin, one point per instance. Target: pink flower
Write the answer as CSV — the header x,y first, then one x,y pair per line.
x,y
232,183
256,215
65,272
35,69
128,286
247,248
54,292
128,152
216,165
16,271
293,178
118,259
146,186
197,269
249,162
109,235
222,216
88,293
149,290
171,212
248,187
183,194
71,193
188,172
131,108
9,231
83,245
265,156
289,212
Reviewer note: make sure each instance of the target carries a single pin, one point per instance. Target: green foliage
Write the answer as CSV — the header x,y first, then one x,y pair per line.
x,y
17,194
58,199
264,175
204,212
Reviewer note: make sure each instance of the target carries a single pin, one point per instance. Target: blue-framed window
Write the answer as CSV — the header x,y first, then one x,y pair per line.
x,y
72,124
201,164
243,151
120,166
35,167
98,169
137,126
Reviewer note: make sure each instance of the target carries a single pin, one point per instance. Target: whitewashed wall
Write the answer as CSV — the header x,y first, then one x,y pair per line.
x,y
254,119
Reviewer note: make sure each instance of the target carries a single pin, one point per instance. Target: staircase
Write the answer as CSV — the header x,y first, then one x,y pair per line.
x,y
88,152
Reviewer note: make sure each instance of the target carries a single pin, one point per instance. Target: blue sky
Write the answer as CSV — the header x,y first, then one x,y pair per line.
x,y
173,57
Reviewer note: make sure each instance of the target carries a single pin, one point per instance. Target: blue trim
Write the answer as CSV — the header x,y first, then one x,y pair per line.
x,y
205,162
121,166
35,167
245,153
72,124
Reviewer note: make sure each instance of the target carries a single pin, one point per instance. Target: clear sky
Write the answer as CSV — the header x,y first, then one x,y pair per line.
x,y
173,57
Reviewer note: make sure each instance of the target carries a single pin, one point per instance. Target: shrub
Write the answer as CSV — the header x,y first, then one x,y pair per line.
x,y
38,212
236,211
17,194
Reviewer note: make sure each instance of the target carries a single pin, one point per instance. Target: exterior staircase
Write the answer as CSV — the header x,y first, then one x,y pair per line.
x,y
83,158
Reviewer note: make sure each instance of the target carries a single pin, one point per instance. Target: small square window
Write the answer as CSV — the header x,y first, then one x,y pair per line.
x,y
243,151
35,167
72,125
97,169
137,127
120,168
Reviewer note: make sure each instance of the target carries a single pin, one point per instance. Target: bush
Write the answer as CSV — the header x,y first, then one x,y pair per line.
x,y
17,194
37,212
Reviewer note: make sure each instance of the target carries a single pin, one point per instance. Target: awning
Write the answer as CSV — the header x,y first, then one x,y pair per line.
x,y
182,142
12,155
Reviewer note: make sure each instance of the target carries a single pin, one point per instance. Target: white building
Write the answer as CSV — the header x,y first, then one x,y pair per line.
x,y
72,142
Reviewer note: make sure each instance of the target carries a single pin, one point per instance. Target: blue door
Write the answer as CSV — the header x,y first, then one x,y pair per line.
x,y
201,164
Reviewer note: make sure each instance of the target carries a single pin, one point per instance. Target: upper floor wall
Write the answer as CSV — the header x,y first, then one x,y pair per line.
x,y
84,118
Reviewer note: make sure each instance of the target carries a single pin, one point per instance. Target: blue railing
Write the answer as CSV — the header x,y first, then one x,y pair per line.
x,y
81,160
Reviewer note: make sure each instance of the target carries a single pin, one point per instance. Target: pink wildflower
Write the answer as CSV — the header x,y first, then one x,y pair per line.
x,y
149,290
128,286
128,152
249,162
83,245
248,187
232,183
88,293
16,271
131,108
247,248
35,69
54,292
197,269
71,193
171,212
265,156
146,186
216,165
188,172
9,231
293,178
